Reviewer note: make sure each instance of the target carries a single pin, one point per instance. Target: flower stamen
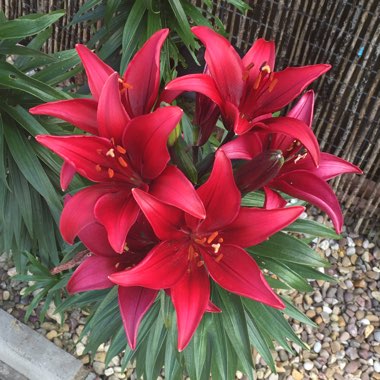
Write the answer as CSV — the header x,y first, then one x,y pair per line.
x,y
216,247
212,237
98,168
122,162
219,258
111,173
111,153
121,149
272,85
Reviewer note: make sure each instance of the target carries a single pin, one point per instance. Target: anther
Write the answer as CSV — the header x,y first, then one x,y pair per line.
x,y
111,173
216,247
126,248
111,153
200,241
257,82
212,237
266,68
98,168
219,258
191,252
120,149
122,162
272,85
300,157
117,265
220,240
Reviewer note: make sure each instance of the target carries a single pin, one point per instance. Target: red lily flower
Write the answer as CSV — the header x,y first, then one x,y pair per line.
x,y
126,154
139,90
93,272
299,176
193,248
246,90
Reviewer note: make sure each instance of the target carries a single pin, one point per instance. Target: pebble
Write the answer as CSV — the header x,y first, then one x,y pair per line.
x,y
376,335
376,367
352,367
98,367
317,347
51,334
308,366
6,295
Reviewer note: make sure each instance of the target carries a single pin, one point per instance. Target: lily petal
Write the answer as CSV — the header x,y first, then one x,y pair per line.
x,y
254,225
190,299
164,219
173,188
78,112
273,199
112,118
303,110
86,153
307,186
134,302
67,173
143,75
238,273
97,71
92,274
162,268
223,62
201,83
220,196
146,137
117,211
244,147
295,128
78,212
94,237
289,84
329,167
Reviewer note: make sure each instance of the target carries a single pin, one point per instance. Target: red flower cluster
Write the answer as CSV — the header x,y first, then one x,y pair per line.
x,y
147,226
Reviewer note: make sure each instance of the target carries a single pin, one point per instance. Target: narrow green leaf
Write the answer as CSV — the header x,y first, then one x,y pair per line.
x,y
286,248
182,22
254,199
111,8
240,4
15,79
27,26
130,36
3,172
313,228
195,14
182,158
310,273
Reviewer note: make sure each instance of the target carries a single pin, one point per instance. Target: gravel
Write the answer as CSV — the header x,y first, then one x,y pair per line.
x,y
344,346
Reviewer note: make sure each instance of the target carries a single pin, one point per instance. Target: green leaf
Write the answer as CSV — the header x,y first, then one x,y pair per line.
x,y
310,273
182,158
22,50
87,5
254,199
195,14
3,173
111,8
286,274
13,78
235,326
28,25
293,312
286,248
240,4
130,36
313,228
183,24
258,340
24,155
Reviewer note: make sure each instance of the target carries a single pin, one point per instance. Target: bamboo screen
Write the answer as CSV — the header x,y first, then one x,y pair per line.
x,y
344,33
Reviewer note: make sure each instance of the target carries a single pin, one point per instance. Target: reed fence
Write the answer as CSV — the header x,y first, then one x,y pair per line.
x,y
344,33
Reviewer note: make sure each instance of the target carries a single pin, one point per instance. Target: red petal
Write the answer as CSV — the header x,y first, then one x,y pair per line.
x,y
297,129
190,299
232,119
220,195
261,53
223,62
162,268
307,186
134,302
165,220
79,112
82,152
303,111
67,173
92,274
112,117
97,71
94,237
290,83
329,167
254,225
273,199
238,273
117,212
78,211
146,137
201,83
244,147
212,308
173,188
143,75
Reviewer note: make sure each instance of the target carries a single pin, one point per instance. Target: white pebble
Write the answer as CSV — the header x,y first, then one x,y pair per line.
x,y
308,366
6,295
109,372
327,310
317,347
350,242
376,335
12,272
324,245
376,367
351,251
79,349
364,322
